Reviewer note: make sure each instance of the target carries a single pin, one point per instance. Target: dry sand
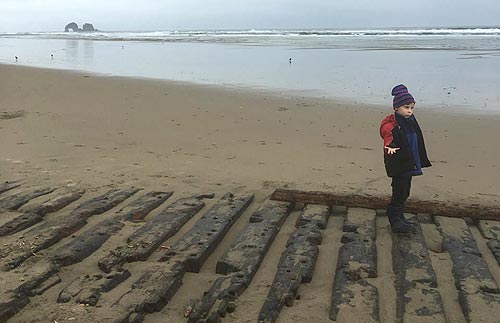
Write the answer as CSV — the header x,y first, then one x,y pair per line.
x,y
98,130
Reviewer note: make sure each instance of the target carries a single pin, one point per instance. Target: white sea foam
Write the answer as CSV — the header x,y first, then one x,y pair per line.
x,y
221,35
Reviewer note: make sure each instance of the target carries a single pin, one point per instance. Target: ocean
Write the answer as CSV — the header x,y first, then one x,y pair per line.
x,y
444,68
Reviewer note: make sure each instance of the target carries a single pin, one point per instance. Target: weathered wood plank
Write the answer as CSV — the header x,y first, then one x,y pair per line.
x,y
20,222
449,209
296,266
11,304
254,240
50,232
15,201
8,185
86,243
47,284
417,299
243,258
152,291
478,292
491,231
316,214
137,210
141,244
15,292
353,297
218,291
87,289
160,282
274,212
56,203
92,239
38,280
34,215
105,202
206,234
249,249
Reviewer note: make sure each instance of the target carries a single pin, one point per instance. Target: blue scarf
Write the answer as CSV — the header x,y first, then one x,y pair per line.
x,y
407,124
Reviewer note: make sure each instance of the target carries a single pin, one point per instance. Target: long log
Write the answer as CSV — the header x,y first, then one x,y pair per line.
x,y
449,209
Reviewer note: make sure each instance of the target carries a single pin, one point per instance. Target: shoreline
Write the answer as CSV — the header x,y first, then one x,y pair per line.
x,y
109,130
262,91
342,70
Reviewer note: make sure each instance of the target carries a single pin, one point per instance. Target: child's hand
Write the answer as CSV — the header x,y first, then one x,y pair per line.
x,y
390,150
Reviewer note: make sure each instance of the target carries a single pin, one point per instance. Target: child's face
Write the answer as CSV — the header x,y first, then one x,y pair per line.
x,y
405,110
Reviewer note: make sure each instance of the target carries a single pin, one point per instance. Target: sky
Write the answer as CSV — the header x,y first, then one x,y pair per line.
x,y
136,15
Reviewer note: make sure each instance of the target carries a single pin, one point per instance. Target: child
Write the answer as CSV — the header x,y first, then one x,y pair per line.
x,y
404,155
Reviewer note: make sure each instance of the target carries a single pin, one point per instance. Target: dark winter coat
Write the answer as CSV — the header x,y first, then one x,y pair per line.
x,y
403,161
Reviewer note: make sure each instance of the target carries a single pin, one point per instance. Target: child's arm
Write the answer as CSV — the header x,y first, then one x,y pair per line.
x,y
386,135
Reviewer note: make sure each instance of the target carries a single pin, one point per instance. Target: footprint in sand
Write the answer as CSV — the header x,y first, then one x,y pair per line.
x,y
330,145
6,115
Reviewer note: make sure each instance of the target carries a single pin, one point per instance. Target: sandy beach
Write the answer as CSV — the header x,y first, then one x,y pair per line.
x,y
97,133
94,130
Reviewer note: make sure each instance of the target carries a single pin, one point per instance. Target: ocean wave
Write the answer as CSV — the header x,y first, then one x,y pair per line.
x,y
224,35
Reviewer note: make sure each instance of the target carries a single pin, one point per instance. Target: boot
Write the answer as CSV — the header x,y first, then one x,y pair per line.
x,y
406,221
398,225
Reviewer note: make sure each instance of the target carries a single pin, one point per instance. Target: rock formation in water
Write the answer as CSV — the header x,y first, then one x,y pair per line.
x,y
74,27
88,27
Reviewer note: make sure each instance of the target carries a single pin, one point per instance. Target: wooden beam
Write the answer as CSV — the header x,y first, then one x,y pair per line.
x,y
450,209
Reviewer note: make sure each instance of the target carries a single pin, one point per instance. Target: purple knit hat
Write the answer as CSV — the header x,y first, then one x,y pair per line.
x,y
401,96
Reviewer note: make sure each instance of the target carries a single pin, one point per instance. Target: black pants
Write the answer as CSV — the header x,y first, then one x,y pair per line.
x,y
401,186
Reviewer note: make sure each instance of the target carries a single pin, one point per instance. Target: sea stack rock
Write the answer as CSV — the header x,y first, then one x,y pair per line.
x,y
88,27
72,25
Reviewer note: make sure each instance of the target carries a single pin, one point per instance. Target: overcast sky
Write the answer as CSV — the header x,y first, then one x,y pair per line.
x,y
53,15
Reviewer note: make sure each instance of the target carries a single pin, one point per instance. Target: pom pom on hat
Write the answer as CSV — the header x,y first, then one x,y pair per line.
x,y
401,96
